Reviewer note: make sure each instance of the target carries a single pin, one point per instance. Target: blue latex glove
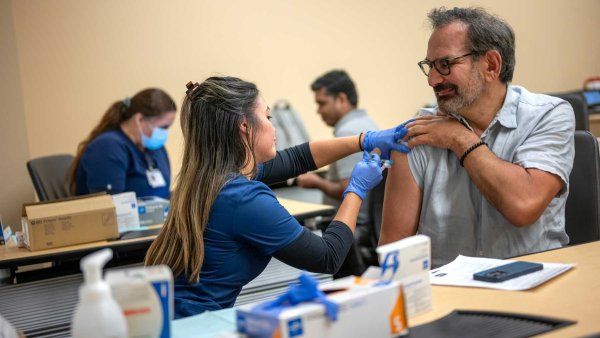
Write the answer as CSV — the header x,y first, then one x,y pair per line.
x,y
306,290
365,175
387,140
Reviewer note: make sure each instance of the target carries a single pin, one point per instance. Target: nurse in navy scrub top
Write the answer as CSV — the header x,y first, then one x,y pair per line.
x,y
125,151
225,224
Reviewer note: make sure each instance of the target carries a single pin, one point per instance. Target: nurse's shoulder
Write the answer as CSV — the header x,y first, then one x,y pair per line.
x,y
108,143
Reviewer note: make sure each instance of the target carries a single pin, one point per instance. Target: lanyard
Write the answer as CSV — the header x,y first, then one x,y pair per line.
x,y
149,161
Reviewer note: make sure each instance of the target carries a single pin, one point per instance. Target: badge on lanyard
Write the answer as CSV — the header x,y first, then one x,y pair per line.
x,y
155,177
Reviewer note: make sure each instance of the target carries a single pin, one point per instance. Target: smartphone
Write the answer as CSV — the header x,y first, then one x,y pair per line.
x,y
508,271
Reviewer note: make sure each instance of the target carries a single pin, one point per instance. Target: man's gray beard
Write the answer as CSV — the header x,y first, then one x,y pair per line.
x,y
463,98
451,106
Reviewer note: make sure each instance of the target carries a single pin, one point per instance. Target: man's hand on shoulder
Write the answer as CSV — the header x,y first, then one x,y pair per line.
x,y
441,132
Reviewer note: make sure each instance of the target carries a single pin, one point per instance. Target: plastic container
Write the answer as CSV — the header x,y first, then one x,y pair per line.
x,y
97,314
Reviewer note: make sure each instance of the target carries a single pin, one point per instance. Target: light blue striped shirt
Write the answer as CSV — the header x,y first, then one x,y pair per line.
x,y
530,130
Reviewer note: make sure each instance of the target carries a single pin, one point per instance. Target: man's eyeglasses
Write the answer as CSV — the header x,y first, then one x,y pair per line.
x,y
442,65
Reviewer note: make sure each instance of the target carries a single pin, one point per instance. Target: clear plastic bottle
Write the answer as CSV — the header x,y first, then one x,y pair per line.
x,y
97,314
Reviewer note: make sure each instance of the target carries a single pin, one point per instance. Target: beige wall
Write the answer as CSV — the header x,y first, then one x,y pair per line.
x,y
76,57
15,186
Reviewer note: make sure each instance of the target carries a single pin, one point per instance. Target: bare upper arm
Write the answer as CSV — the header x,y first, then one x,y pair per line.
x,y
402,202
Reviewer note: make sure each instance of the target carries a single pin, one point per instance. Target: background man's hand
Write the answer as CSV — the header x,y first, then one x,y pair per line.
x,y
308,180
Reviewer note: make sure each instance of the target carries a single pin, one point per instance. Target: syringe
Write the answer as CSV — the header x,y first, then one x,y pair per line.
x,y
386,164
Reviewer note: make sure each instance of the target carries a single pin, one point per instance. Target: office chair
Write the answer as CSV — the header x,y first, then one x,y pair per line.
x,y
582,213
376,206
580,108
289,126
49,176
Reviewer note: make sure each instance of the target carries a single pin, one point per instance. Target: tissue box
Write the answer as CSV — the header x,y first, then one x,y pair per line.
x,y
408,261
152,210
367,308
127,211
145,295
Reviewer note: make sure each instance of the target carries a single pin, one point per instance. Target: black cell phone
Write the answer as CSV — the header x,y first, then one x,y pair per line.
x,y
508,271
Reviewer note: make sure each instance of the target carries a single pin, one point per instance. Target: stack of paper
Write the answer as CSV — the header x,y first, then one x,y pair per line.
x,y
460,273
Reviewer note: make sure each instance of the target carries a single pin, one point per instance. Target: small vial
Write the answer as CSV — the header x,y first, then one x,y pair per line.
x,y
386,164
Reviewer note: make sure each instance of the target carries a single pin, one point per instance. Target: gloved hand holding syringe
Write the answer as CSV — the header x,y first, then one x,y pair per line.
x,y
368,172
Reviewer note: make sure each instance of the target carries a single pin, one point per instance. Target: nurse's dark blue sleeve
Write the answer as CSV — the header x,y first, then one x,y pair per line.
x,y
324,254
288,163
105,163
262,222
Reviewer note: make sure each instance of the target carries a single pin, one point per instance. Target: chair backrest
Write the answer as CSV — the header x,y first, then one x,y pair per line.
x,y
49,176
580,108
375,207
289,126
582,214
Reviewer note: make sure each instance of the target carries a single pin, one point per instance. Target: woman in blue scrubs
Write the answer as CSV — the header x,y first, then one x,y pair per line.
x,y
225,223
125,151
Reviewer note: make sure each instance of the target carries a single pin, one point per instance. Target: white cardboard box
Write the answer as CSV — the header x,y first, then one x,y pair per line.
x,y
409,262
126,208
145,294
367,308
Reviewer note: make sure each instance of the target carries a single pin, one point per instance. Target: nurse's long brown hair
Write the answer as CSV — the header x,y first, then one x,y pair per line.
x,y
215,150
149,102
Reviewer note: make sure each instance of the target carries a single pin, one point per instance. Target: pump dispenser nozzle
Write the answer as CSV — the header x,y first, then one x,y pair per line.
x,y
91,265
97,313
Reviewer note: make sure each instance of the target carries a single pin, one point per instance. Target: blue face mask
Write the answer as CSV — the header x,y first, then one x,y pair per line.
x,y
156,140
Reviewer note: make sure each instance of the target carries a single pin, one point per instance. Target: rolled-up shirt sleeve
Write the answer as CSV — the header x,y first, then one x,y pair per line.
x,y
550,146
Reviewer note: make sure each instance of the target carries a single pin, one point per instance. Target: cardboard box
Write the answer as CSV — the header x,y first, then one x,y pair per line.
x,y
145,294
367,308
409,262
69,221
152,210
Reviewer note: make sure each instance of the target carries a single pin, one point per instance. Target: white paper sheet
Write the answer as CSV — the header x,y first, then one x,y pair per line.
x,y
460,273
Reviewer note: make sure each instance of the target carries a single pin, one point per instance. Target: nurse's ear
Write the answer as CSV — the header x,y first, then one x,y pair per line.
x,y
244,128
137,118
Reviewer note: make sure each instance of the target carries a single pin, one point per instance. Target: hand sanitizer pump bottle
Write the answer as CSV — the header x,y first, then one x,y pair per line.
x,y
97,313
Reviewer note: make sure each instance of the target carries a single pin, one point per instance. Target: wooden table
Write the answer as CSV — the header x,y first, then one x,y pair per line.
x,y
574,295
13,257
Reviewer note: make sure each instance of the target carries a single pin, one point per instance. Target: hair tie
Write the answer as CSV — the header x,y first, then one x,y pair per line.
x,y
192,89
127,102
